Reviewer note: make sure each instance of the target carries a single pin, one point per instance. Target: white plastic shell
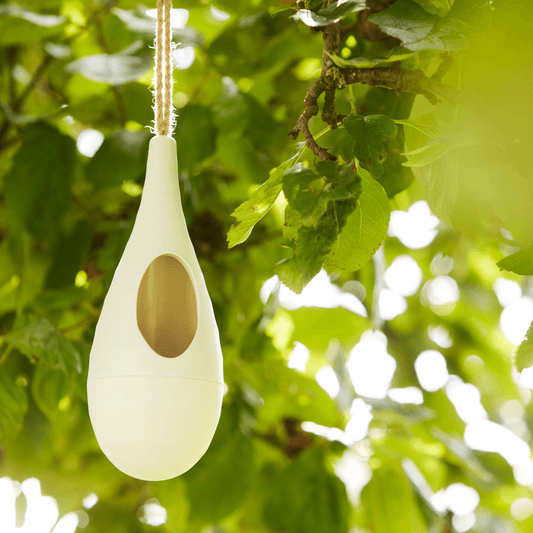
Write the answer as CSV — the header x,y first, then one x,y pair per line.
x,y
154,417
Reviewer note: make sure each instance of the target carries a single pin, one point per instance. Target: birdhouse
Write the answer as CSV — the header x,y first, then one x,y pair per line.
x,y
155,381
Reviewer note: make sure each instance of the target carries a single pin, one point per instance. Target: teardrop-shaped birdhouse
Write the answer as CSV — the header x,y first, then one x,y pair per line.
x,y
155,381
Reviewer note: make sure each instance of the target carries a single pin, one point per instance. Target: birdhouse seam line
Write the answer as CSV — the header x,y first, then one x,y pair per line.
x,y
153,376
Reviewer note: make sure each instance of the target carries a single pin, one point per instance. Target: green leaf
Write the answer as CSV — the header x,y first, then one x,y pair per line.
x,y
115,34
524,354
324,200
135,21
253,210
298,189
419,30
390,503
406,20
436,148
293,395
396,54
437,7
292,223
440,179
313,245
115,69
37,187
307,497
220,481
496,465
231,466
262,129
462,455
69,256
121,157
426,125
48,387
396,177
330,14
231,111
30,269
241,114
365,228
369,133
46,21
240,157
41,342
315,327
79,380
172,495
464,24
448,34
378,100
9,278
21,26
13,407
137,101
195,135
341,183
273,10
520,262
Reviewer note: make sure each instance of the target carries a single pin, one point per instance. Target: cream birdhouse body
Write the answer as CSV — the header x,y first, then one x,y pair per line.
x,y
155,382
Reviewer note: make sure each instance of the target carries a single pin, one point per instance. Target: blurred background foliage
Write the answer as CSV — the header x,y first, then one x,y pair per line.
x,y
383,400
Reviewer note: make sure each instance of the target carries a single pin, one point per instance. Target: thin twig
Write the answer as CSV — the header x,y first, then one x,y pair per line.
x,y
33,82
11,59
93,215
5,355
82,323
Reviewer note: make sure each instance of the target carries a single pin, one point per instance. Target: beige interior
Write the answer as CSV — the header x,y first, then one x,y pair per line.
x,y
166,307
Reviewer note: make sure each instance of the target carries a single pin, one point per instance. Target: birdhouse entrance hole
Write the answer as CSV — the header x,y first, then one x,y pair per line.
x,y
166,307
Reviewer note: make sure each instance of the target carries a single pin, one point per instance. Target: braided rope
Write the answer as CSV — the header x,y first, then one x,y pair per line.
x,y
164,111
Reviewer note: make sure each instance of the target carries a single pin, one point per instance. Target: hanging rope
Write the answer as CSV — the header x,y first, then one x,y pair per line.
x,y
164,111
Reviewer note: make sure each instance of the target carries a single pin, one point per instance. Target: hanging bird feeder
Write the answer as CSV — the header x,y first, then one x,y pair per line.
x,y
155,382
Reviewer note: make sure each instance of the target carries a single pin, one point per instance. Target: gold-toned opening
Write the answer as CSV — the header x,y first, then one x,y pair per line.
x,y
166,307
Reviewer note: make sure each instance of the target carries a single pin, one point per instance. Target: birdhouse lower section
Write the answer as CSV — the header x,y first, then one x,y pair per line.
x,y
154,427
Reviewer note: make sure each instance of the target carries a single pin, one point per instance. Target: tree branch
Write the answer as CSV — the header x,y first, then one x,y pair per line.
x,y
332,40
302,125
399,80
447,61
333,78
323,84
